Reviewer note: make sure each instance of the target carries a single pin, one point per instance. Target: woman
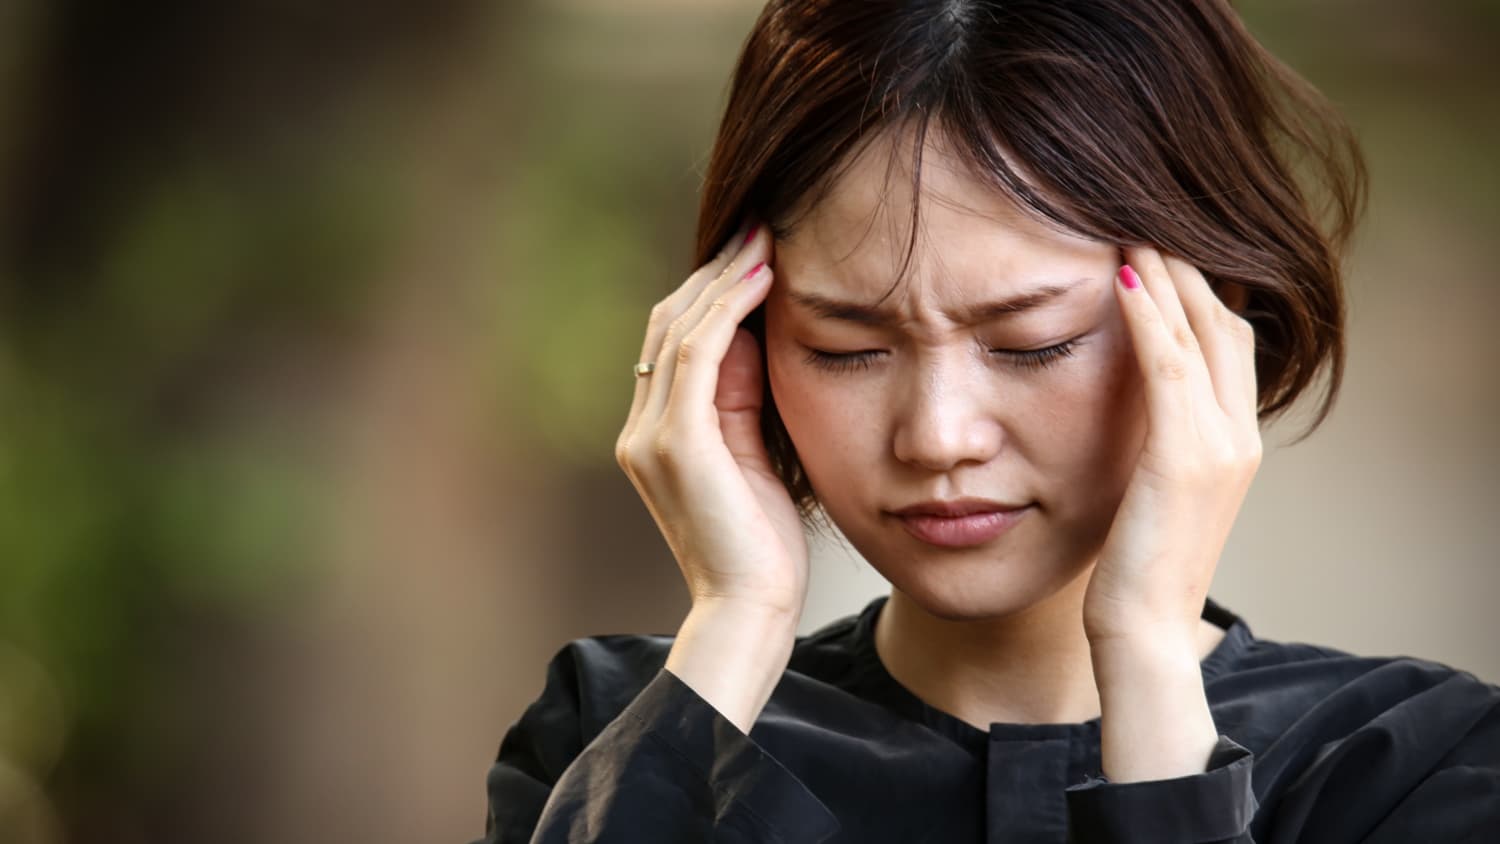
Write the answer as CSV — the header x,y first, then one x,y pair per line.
x,y
1018,284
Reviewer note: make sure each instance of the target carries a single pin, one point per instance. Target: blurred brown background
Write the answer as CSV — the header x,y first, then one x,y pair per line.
x,y
315,324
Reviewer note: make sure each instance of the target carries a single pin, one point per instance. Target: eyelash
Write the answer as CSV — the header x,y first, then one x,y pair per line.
x,y
1031,359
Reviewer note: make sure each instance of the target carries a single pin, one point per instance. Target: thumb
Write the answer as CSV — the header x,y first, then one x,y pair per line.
x,y
738,399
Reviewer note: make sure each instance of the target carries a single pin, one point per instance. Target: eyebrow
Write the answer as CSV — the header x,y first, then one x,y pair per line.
x,y
883,316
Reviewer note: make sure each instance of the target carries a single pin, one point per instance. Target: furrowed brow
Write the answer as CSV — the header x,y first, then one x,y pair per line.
x,y
825,307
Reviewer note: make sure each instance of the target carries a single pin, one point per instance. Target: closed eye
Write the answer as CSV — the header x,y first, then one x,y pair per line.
x,y
1029,359
1039,358
840,362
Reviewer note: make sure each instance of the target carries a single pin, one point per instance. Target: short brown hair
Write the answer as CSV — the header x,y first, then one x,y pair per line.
x,y
1158,122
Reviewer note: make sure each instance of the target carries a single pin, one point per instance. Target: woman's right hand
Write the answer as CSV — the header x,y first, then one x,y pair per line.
x,y
693,448
692,443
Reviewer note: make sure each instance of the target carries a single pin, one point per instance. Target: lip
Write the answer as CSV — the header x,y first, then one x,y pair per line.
x,y
961,523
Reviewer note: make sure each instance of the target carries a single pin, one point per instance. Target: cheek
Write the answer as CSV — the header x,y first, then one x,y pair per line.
x,y
816,409
1096,433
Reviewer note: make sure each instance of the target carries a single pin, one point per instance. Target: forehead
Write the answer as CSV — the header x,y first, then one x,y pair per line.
x,y
858,230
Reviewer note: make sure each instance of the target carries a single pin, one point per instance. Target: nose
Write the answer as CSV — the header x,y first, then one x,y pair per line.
x,y
946,420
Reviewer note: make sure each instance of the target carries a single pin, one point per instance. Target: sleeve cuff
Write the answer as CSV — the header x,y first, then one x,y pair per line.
x,y
1216,805
739,772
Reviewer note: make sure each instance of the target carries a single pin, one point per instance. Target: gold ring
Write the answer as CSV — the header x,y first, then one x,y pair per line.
x,y
644,369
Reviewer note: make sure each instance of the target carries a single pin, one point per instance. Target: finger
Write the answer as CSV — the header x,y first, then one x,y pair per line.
x,y
755,254
1165,290
672,307
701,355
1237,298
1151,267
738,397
1163,363
1226,340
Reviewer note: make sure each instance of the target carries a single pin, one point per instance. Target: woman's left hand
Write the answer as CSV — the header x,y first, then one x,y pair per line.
x,y
1201,451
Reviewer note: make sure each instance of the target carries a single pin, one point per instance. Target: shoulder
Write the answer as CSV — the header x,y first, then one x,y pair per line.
x,y
1320,670
1298,698
1396,747
1245,664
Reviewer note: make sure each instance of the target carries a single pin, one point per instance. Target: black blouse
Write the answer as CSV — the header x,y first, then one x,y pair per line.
x,y
1315,746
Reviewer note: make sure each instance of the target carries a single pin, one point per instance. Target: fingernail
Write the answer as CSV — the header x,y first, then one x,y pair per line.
x,y
755,271
754,230
1129,278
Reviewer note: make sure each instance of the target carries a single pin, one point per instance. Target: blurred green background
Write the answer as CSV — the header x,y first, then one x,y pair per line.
x,y
315,321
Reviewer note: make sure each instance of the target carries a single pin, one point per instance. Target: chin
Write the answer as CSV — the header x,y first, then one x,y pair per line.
x,y
974,587
975,597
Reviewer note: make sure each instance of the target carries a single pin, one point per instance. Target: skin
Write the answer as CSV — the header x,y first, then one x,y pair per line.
x,y
990,633
1134,455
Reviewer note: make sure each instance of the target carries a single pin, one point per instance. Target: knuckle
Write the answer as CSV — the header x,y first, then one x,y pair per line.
x,y
671,339
1224,456
682,326
724,273
1254,450
662,316
626,454
687,351
1184,337
663,449
1233,459
1171,367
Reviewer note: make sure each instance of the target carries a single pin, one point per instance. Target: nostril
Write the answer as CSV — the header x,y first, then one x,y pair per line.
x,y
942,447
945,421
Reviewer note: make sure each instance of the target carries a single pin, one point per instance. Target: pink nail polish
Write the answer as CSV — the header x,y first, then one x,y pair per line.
x,y
1129,278
755,271
754,230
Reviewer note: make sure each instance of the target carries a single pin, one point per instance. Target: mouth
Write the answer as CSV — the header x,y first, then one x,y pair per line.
x,y
961,523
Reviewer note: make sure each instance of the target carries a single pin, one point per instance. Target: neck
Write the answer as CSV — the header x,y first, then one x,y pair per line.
x,y
1029,667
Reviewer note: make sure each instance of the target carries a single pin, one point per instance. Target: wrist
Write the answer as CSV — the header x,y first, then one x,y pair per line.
x,y
732,655
760,614
1154,717
1121,658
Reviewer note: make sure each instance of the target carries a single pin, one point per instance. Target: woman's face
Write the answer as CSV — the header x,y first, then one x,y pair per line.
x,y
936,411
